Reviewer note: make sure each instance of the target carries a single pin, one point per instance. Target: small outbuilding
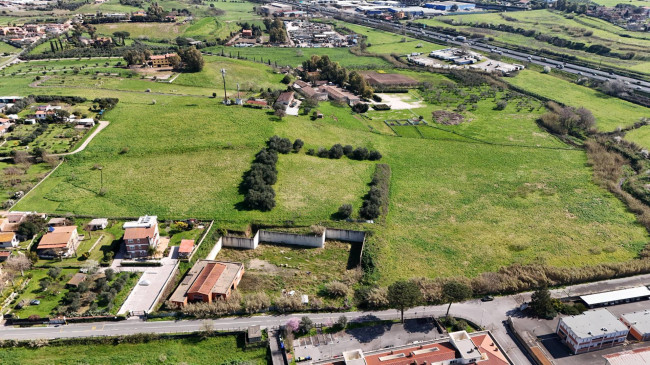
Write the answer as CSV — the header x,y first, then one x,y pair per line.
x,y
185,249
98,224
254,334
76,279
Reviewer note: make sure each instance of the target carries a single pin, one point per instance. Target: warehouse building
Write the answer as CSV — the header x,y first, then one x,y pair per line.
x,y
616,297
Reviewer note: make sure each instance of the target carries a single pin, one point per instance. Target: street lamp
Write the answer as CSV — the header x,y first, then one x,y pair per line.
x,y
223,75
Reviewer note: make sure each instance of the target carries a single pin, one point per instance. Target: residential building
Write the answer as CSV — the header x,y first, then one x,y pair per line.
x,y
616,297
286,98
8,239
141,236
160,60
207,281
247,33
57,221
591,330
58,242
98,224
338,94
638,323
185,249
479,348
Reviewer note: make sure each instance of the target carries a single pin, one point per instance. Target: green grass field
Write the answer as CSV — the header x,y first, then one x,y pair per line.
x,y
8,48
610,112
193,350
459,205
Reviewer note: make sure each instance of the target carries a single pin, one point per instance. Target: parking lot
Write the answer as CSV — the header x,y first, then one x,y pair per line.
x,y
544,331
365,338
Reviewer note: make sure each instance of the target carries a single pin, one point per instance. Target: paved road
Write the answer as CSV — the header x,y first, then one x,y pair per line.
x,y
490,315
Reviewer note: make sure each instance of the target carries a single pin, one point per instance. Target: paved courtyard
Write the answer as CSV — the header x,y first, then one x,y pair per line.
x,y
365,338
142,297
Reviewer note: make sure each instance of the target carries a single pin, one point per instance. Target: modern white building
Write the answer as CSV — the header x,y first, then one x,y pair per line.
x,y
638,323
616,297
592,330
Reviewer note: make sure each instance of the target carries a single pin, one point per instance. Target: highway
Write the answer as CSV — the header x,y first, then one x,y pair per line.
x,y
436,37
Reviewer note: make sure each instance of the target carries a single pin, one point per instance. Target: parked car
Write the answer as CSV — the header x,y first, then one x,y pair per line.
x,y
487,298
35,302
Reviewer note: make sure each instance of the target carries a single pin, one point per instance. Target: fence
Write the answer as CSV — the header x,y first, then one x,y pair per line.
x,y
346,235
196,249
215,250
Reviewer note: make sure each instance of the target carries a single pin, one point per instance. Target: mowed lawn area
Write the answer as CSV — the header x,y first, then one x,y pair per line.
x,y
610,112
193,350
460,207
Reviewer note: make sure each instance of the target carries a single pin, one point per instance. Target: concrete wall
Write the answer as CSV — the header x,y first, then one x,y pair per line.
x,y
292,239
346,235
215,250
242,242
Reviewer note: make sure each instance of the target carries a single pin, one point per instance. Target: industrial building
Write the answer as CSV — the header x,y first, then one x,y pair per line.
x,y
591,330
638,323
616,297
449,5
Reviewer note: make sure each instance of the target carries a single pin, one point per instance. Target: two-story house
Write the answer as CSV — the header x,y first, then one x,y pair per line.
x,y
141,236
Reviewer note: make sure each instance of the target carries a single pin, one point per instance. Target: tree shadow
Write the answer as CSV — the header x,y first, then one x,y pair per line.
x,y
419,325
367,334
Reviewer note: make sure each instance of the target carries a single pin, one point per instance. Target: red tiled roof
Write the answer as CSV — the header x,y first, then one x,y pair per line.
x,y
487,346
445,351
285,97
139,233
58,238
5,253
257,102
186,246
207,278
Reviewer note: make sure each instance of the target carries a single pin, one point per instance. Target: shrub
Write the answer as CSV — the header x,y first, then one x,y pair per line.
x,y
376,201
286,79
347,151
501,104
311,152
360,153
345,211
374,155
336,152
360,108
282,145
381,107
322,152
376,98
336,289
297,145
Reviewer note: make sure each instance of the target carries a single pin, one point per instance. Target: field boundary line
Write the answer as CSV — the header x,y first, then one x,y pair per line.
x,y
37,184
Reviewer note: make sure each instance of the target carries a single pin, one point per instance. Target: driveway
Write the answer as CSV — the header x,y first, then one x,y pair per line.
x,y
143,297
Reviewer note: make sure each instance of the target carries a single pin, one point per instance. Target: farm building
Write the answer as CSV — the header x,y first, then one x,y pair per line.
x,y
208,280
160,60
383,81
98,224
185,249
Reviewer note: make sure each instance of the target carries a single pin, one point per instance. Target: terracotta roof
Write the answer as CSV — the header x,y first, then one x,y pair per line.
x,y
207,278
5,253
58,238
139,233
186,246
488,346
444,351
76,279
285,97
162,56
257,102
7,236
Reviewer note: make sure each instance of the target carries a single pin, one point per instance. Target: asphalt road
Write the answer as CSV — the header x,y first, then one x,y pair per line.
x,y
491,315
429,35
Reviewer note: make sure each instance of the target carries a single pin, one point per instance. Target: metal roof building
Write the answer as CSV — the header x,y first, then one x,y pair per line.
x,y
616,296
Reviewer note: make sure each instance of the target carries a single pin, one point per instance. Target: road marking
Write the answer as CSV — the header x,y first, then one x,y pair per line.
x,y
93,328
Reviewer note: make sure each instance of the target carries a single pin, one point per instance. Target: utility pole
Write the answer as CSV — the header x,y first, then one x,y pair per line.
x,y
101,178
223,75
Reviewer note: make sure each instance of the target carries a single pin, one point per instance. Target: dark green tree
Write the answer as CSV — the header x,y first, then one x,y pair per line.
x,y
403,295
455,291
541,304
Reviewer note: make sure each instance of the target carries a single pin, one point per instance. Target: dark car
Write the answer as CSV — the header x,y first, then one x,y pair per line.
x,y
487,298
35,302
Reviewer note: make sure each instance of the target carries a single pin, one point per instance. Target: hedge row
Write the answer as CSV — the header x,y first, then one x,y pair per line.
x,y
337,151
375,202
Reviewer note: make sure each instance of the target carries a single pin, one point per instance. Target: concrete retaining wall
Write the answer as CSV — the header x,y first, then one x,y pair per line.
x,y
292,239
346,235
215,250
242,242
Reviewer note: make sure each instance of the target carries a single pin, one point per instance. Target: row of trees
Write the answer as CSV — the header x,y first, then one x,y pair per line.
x,y
337,151
189,59
376,201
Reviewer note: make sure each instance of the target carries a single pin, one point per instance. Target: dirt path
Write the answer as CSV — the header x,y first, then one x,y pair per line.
x,y
102,124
